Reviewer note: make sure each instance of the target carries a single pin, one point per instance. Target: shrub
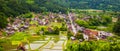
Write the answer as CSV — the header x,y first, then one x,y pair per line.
x,y
27,15
116,28
69,34
82,23
3,22
79,36
1,48
92,27
93,46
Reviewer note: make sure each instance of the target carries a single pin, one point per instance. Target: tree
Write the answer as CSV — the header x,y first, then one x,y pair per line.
x,y
106,19
28,15
82,23
56,30
116,27
3,22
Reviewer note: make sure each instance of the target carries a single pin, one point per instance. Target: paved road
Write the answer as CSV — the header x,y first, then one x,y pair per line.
x,y
72,23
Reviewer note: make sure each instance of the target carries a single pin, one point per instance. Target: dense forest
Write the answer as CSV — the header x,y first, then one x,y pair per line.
x,y
16,7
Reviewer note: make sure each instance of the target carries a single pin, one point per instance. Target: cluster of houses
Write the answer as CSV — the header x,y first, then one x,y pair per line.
x,y
43,21
19,24
88,34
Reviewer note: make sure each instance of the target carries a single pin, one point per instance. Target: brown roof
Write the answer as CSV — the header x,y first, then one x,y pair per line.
x,y
91,33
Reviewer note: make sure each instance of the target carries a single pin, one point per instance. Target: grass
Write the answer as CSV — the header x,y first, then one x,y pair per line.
x,y
30,1
34,22
19,36
64,33
59,25
7,45
64,45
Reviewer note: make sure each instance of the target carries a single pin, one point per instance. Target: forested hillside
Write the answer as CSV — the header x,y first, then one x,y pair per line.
x,y
16,7
96,4
12,8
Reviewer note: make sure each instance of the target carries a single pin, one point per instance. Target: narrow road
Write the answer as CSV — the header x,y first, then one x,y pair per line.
x,y
72,23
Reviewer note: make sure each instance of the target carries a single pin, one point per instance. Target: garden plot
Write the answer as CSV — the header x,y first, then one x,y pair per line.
x,y
58,45
56,24
52,46
35,45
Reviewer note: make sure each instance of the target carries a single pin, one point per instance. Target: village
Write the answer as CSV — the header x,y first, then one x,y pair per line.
x,y
59,25
21,24
46,26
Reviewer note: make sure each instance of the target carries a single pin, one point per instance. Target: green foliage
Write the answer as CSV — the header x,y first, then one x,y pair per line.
x,y
13,8
56,30
1,48
1,44
69,34
106,19
63,27
27,15
116,28
93,19
56,39
95,4
3,22
19,36
82,23
18,7
92,27
103,19
79,4
93,46
94,22
2,41
30,1
54,24
79,36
